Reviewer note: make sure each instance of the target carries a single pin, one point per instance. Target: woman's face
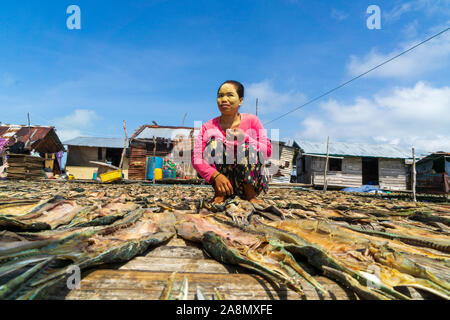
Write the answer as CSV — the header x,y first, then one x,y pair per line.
x,y
228,99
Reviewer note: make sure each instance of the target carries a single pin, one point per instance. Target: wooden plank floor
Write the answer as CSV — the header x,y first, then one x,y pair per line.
x,y
145,278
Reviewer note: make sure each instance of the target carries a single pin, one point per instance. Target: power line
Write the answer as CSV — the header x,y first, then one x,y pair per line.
x,y
357,77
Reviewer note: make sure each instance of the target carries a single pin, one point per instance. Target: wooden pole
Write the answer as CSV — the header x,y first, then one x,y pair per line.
x,y
154,158
124,146
29,128
326,167
184,118
414,175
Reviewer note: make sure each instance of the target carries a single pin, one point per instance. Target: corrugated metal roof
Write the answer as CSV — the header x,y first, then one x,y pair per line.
x,y
165,132
433,156
354,149
290,143
96,142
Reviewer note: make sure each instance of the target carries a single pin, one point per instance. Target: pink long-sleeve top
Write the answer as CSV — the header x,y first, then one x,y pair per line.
x,y
254,134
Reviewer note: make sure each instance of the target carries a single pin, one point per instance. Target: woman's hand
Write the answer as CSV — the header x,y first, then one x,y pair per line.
x,y
237,134
223,185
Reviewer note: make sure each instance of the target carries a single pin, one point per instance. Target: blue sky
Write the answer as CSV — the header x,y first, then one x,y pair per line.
x,y
156,60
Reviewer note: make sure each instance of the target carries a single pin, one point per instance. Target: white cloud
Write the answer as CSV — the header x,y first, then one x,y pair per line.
x,y
75,124
8,80
270,100
67,134
338,14
431,56
428,7
406,117
410,30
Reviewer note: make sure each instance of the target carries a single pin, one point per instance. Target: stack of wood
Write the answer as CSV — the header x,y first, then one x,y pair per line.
x,y
21,166
138,154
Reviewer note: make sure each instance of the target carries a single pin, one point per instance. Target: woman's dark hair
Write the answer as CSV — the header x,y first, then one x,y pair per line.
x,y
239,87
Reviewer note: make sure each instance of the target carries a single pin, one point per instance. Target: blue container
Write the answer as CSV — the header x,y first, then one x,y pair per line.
x,y
158,165
94,176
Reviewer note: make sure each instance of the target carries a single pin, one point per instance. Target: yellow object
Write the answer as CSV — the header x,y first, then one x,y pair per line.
x,y
158,174
111,176
49,160
71,177
86,173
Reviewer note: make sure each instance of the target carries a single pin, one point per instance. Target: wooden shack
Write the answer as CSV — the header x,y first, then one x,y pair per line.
x,y
174,142
433,173
40,141
82,150
353,165
282,161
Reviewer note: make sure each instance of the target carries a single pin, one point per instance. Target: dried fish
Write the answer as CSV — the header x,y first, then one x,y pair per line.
x,y
371,245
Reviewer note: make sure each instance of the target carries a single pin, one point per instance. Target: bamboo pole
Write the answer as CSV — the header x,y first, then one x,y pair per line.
x,y
125,145
414,175
154,158
326,167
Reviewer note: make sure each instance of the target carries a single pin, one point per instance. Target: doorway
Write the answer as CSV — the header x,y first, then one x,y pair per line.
x,y
113,155
370,171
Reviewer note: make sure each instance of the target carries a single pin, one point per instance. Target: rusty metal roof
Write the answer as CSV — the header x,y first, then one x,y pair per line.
x,y
31,136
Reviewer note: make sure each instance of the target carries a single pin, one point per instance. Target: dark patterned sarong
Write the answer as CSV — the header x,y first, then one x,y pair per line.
x,y
241,166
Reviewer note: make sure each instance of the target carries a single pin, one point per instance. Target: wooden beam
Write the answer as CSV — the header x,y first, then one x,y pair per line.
x,y
154,158
142,285
326,167
125,145
414,175
322,156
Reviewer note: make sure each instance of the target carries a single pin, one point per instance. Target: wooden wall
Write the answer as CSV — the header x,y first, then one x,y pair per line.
x,y
392,173
350,176
285,165
80,156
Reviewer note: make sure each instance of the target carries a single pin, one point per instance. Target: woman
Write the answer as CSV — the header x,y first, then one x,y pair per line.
x,y
230,149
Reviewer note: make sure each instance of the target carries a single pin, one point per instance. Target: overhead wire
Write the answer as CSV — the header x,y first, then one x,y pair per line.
x,y
359,76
